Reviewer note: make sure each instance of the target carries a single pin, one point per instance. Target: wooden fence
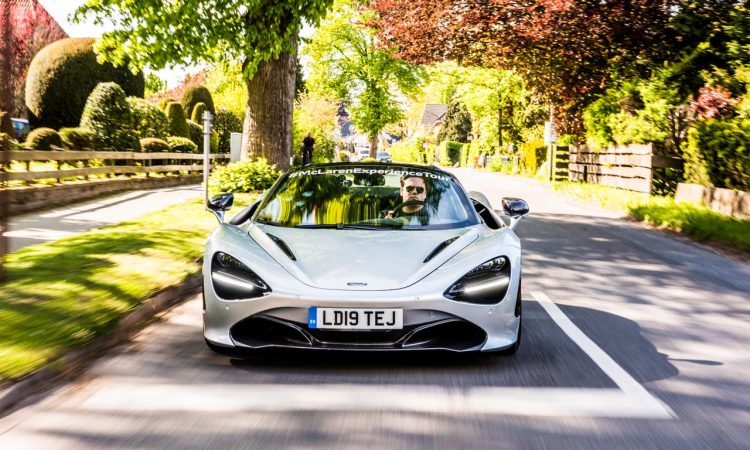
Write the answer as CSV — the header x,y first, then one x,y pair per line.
x,y
627,167
134,163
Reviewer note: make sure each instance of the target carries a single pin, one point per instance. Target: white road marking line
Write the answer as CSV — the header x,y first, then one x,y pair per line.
x,y
629,400
622,379
552,402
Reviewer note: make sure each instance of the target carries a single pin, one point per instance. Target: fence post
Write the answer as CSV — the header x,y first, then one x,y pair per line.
x,y
207,125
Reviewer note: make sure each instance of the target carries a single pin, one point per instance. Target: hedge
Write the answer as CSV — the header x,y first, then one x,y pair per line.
x,y
226,122
148,120
718,154
62,76
242,176
75,138
196,133
195,95
108,117
43,139
176,121
154,145
197,115
182,145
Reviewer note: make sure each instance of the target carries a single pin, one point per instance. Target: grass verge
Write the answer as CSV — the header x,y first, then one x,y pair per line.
x,y
66,293
697,221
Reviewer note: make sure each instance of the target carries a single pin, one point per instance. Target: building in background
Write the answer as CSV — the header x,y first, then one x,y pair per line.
x,y
25,28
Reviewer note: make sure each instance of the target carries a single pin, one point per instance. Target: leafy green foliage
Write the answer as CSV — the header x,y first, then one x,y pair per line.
x,y
411,151
63,75
718,154
226,122
154,145
198,111
450,153
242,176
182,145
228,88
148,119
348,64
196,133
195,95
7,142
43,139
154,85
457,125
176,121
109,119
75,138
316,116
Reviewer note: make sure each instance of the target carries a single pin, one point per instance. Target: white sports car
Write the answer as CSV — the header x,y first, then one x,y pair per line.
x,y
364,257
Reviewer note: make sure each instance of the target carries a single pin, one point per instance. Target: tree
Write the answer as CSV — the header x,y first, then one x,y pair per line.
x,y
259,35
349,64
564,49
457,126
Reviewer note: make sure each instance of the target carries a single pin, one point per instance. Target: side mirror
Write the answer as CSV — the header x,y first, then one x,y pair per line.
x,y
516,208
219,205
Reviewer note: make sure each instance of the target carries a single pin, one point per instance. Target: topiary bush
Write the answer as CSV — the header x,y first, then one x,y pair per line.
x,y
109,119
63,75
6,125
195,95
43,139
242,176
7,142
148,120
226,122
75,138
154,145
182,145
163,103
176,121
196,133
197,115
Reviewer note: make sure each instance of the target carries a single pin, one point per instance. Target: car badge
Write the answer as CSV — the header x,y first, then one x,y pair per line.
x,y
356,283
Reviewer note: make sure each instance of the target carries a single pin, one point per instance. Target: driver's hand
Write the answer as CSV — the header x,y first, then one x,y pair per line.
x,y
389,215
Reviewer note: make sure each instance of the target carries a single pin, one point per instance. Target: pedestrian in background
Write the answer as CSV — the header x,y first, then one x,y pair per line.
x,y
308,144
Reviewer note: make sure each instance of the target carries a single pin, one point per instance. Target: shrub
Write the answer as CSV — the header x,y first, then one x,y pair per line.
x,y
718,153
163,103
242,176
182,145
6,125
195,95
196,133
214,142
7,142
450,153
197,115
43,139
75,138
63,75
344,156
176,122
109,119
148,120
226,122
154,145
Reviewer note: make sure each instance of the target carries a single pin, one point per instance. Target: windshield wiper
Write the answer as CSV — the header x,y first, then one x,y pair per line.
x,y
342,226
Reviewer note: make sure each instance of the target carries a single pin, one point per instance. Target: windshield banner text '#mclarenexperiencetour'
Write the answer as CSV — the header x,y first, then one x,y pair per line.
x,y
360,170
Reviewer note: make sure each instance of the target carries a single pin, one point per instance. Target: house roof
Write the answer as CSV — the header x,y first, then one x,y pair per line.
x,y
32,12
433,113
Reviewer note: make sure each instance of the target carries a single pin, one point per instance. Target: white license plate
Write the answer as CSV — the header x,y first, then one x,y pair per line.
x,y
356,318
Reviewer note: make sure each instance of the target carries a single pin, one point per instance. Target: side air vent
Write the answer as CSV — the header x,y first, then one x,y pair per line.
x,y
282,245
439,248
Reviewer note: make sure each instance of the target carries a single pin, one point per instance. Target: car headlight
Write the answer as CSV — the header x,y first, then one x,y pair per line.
x,y
485,284
233,280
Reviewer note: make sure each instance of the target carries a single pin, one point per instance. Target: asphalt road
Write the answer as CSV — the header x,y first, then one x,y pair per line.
x,y
633,339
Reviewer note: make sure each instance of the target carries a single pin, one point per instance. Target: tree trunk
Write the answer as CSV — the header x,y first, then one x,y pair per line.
x,y
267,131
373,146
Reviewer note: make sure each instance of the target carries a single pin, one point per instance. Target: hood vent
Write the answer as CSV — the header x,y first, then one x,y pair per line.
x,y
282,245
440,248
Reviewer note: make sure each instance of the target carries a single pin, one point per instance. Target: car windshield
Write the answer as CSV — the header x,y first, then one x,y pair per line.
x,y
367,196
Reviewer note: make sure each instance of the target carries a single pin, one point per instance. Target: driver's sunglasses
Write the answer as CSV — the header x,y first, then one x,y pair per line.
x,y
411,189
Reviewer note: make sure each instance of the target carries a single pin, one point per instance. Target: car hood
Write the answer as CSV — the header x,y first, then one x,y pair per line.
x,y
360,260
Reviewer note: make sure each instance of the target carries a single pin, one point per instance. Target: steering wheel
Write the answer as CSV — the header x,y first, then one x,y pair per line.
x,y
395,212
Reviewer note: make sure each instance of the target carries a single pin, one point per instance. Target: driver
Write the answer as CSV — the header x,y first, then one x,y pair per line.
x,y
413,195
